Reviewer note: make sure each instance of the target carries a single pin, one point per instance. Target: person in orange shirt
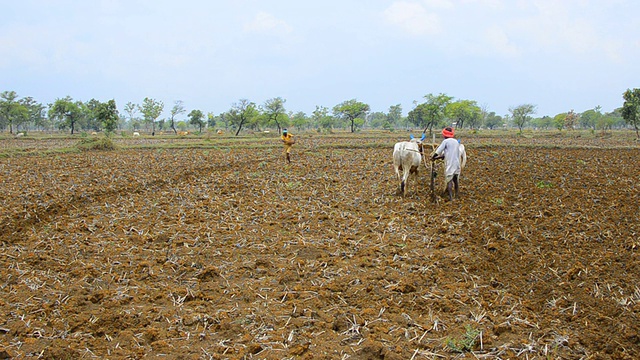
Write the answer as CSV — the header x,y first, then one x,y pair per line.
x,y
288,141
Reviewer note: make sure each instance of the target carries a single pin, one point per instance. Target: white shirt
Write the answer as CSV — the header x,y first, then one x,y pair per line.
x,y
451,150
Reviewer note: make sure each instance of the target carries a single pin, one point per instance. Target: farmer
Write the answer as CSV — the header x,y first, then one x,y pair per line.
x,y
288,141
449,150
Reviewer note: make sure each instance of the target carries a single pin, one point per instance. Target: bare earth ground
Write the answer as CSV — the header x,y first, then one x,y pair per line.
x,y
228,253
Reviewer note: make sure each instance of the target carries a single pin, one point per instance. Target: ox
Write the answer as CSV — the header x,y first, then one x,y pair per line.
x,y
463,157
407,156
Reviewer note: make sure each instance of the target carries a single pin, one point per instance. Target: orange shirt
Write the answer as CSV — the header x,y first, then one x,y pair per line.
x,y
287,139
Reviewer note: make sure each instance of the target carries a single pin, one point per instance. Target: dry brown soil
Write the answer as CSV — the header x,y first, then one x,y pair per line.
x,y
229,253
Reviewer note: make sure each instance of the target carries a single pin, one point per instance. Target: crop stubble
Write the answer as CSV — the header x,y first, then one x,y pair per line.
x,y
230,253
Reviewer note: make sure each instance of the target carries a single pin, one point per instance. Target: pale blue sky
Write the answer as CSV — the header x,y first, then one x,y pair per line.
x,y
556,54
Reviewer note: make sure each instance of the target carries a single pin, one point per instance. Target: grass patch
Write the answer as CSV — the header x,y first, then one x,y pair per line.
x,y
91,144
544,184
466,342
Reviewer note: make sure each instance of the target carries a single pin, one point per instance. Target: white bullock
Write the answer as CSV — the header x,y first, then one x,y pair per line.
x,y
463,157
407,157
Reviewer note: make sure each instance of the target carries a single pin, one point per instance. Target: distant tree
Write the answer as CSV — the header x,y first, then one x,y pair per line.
x,y
131,109
107,114
394,117
181,125
300,120
434,110
521,114
11,110
66,112
151,110
558,121
211,120
275,112
606,122
571,120
36,112
220,121
351,110
242,113
544,122
492,120
631,109
196,118
464,111
589,118
377,119
177,109
89,119
419,116
321,118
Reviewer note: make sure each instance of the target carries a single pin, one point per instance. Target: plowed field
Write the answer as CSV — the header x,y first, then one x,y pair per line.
x,y
226,252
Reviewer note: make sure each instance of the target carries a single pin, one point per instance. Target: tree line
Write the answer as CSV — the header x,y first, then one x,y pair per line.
x,y
436,110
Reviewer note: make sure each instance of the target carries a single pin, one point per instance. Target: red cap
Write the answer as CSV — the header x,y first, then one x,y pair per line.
x,y
447,132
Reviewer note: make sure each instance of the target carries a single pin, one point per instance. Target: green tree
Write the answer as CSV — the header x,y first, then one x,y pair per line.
x,y
242,113
377,119
464,111
177,109
631,109
300,120
11,110
274,111
521,114
66,112
351,110
433,112
394,117
131,109
36,113
321,118
419,116
107,114
544,122
493,121
558,121
151,110
89,118
589,118
196,118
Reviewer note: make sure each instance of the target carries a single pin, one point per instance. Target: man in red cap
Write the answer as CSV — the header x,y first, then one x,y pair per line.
x,y
449,149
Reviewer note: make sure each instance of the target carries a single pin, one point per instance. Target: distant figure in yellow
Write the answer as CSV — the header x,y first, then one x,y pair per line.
x,y
288,141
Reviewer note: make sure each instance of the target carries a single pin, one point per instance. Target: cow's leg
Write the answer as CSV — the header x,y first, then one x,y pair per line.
x,y
405,180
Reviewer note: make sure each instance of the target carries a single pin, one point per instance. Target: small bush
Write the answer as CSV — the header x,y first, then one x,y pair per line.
x,y
544,184
467,342
101,143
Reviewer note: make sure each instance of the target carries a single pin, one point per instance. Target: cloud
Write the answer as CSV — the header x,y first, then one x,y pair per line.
x,y
439,4
413,18
499,42
267,23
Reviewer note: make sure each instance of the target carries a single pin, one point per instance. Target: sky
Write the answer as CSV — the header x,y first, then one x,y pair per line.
x,y
558,55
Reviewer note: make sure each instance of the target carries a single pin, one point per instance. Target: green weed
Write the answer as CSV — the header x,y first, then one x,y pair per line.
x,y
544,184
466,343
